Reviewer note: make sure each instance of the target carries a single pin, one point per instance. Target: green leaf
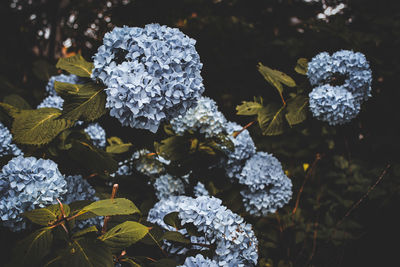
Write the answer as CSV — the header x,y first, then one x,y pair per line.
x,y
110,207
302,66
46,215
88,252
277,125
76,65
91,229
10,110
117,146
39,126
176,237
43,70
296,110
16,101
82,101
33,248
275,77
173,220
248,108
124,235
173,148
266,114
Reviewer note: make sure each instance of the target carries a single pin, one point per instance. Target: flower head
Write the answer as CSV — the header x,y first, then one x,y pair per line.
x,y
52,101
96,134
6,147
167,186
199,261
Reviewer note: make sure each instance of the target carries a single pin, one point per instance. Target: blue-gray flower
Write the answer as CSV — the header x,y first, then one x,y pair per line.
x,y
96,134
52,101
6,147
199,261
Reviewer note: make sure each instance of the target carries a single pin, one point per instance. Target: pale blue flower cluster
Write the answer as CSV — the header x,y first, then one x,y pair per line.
x,y
267,186
338,104
26,184
152,74
6,147
61,78
236,244
166,186
199,261
204,117
52,101
200,190
96,134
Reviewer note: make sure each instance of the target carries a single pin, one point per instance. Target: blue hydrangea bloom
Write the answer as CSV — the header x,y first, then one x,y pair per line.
x,y
152,74
6,148
26,184
199,261
53,101
61,78
355,89
200,190
244,148
204,117
167,186
267,186
236,244
333,104
96,134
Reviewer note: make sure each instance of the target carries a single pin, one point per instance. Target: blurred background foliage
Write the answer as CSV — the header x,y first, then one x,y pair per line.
x,y
331,167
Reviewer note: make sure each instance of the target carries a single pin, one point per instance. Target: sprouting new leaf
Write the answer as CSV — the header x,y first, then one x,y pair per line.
x,y
110,207
296,110
124,235
117,146
176,237
46,215
302,66
82,101
76,65
248,108
16,101
39,126
275,77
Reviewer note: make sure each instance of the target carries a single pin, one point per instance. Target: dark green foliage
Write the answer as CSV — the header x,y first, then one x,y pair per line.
x,y
46,216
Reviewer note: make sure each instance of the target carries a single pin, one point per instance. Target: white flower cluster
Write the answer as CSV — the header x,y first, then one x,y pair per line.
x,y
6,147
96,134
236,244
338,104
152,74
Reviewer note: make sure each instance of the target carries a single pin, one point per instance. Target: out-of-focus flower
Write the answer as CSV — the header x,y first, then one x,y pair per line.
x,y
96,134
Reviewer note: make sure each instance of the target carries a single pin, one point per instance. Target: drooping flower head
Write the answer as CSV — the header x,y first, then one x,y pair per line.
x,y
26,184
152,74
236,244
96,134
204,117
61,78
52,101
267,186
6,147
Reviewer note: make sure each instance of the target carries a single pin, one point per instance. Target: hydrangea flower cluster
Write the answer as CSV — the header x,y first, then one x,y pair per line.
x,y
236,244
61,78
200,190
96,134
52,101
199,261
167,186
152,74
79,189
6,148
244,148
204,117
338,104
268,188
26,184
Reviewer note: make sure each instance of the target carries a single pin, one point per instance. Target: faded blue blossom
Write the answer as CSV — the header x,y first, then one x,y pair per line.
x,y
53,101
26,184
204,117
61,78
6,147
96,134
200,190
166,186
236,244
199,261
267,186
151,74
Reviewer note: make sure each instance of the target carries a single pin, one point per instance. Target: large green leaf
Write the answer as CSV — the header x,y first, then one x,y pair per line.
x,y
302,66
124,235
296,110
39,126
91,229
10,109
173,148
248,108
117,146
16,101
76,65
82,101
109,207
47,215
275,77
266,114
277,124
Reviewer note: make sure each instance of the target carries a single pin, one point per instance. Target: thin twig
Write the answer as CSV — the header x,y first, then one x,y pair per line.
x,y
236,133
107,218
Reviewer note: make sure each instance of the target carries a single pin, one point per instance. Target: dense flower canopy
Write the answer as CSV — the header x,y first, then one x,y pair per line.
x,y
151,74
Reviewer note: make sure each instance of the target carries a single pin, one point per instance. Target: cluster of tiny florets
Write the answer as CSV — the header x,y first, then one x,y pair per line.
x,y
236,244
200,190
26,184
61,78
52,101
199,261
338,104
166,185
151,74
6,147
204,117
96,134
267,186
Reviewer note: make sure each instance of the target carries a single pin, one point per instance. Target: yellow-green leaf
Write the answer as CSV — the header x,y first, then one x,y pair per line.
x,y
124,235
10,110
275,77
176,237
76,65
46,215
16,101
110,207
277,124
117,146
88,252
296,110
302,66
248,108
